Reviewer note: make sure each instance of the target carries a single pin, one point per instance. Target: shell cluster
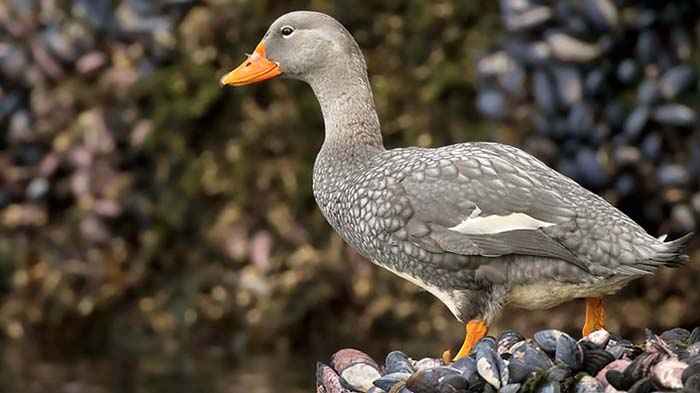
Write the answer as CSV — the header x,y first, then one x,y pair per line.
x,y
549,362
610,90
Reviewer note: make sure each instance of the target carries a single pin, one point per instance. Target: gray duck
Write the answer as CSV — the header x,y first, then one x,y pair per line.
x,y
478,225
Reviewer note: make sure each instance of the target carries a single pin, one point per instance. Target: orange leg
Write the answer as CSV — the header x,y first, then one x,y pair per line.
x,y
475,331
595,315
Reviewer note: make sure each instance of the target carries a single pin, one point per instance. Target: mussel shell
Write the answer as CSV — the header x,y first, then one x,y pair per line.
x,y
425,380
486,342
570,49
397,362
544,90
594,84
599,338
569,84
692,384
694,352
595,360
527,359
518,18
356,368
677,115
580,120
648,92
675,335
628,71
640,367
588,384
618,365
465,365
549,387
694,336
507,339
489,365
427,363
510,388
648,46
644,385
617,380
668,373
677,80
547,339
527,52
621,348
558,373
453,383
328,381
569,352
636,121
389,381
602,14
691,370
345,358
492,103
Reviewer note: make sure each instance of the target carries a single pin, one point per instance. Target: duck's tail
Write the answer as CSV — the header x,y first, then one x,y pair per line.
x,y
672,253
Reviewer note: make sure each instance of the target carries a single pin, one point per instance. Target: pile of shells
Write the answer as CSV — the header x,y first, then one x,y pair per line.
x,y
550,362
609,89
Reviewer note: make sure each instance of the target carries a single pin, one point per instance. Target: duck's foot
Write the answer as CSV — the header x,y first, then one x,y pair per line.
x,y
595,315
475,331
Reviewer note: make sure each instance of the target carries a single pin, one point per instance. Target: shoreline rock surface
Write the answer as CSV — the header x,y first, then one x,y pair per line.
x,y
549,362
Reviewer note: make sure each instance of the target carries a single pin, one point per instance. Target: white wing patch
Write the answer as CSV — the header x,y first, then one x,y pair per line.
x,y
477,225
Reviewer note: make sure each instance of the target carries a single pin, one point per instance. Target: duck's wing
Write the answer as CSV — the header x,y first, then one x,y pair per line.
x,y
489,201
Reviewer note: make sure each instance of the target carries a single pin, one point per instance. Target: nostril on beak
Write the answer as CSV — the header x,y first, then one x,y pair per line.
x,y
247,64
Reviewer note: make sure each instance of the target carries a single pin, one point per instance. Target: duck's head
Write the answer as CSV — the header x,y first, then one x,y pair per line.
x,y
300,45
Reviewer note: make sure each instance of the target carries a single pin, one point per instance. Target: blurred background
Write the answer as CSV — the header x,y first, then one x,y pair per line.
x,y
159,233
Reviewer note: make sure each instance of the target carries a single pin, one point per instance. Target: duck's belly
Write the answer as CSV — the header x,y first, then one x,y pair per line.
x,y
550,293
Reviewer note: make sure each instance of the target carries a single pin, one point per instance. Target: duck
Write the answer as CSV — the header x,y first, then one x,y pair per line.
x,y
479,225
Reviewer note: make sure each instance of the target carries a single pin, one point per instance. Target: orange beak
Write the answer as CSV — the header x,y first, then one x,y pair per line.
x,y
256,68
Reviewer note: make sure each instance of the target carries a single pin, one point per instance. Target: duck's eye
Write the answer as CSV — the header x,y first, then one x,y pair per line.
x,y
287,31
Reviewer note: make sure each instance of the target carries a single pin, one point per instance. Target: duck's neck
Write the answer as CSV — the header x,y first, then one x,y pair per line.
x,y
352,130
